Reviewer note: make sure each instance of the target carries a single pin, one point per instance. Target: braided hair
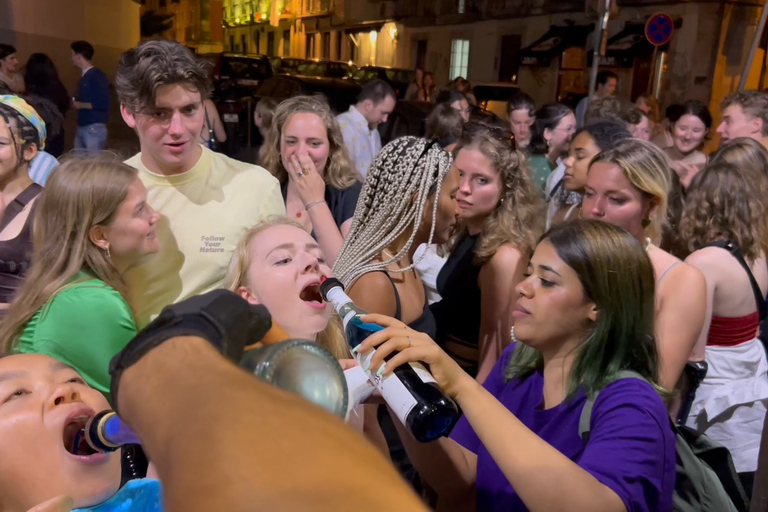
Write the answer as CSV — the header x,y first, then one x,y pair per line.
x,y
386,208
23,133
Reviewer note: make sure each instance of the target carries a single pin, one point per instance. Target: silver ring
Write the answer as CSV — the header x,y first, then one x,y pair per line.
x,y
409,341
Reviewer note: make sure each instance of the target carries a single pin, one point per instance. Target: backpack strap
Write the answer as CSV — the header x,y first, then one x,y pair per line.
x,y
19,203
736,253
586,413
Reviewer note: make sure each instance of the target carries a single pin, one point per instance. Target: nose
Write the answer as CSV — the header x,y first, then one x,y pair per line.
x,y
597,208
524,288
568,162
311,263
464,187
721,128
176,127
384,118
154,216
64,394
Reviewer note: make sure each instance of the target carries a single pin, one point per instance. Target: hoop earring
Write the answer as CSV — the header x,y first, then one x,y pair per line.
x,y
107,249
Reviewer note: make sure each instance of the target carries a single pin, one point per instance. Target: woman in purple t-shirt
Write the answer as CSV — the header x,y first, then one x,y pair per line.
x,y
585,311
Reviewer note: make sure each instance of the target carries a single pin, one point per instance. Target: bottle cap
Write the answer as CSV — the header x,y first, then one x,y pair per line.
x,y
329,284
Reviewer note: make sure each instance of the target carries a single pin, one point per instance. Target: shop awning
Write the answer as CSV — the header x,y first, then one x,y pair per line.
x,y
365,27
630,42
556,40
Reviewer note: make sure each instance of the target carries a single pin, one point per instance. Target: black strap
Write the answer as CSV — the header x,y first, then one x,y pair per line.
x,y
211,134
759,298
398,312
19,203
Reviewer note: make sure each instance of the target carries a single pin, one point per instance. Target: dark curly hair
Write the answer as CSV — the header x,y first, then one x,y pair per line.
x,y
722,204
152,64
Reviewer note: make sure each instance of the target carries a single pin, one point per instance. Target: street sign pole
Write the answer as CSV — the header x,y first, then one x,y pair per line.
x,y
658,31
605,12
753,49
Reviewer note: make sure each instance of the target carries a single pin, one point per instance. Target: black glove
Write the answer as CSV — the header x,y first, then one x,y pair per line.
x,y
224,319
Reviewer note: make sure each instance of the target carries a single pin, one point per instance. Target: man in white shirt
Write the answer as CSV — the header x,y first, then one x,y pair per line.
x,y
359,124
607,81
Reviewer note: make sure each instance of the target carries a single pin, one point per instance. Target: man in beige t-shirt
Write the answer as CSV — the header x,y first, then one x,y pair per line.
x,y
206,199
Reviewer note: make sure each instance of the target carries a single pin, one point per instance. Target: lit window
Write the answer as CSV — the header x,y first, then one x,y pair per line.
x,y
459,58
462,6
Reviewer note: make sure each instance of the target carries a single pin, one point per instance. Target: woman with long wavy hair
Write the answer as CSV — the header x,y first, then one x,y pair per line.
x,y
501,215
725,226
305,151
92,223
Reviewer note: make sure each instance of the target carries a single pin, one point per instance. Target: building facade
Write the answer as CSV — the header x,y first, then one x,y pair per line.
x,y
360,31
195,23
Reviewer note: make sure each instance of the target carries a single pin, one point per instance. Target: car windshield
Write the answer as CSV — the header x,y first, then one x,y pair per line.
x,y
244,68
400,75
493,92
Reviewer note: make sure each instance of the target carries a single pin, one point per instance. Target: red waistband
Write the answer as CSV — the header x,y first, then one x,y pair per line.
x,y
728,332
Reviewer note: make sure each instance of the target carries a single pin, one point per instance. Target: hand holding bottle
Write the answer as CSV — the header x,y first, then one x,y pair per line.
x,y
413,346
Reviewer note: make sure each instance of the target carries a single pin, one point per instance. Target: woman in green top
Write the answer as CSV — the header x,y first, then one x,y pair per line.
x,y
92,223
551,136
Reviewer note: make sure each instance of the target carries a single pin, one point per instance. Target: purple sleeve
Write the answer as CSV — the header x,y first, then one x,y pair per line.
x,y
631,447
463,433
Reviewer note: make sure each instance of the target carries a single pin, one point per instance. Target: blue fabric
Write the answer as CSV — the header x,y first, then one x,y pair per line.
x,y
144,495
92,137
94,89
41,167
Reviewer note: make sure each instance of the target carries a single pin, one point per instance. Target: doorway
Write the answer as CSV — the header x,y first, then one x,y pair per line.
x,y
509,63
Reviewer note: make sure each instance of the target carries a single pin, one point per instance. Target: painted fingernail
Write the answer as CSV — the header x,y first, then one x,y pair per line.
x,y
381,369
355,349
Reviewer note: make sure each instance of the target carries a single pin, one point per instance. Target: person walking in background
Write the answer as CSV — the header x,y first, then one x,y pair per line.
x,y
91,101
359,124
42,79
9,69
607,81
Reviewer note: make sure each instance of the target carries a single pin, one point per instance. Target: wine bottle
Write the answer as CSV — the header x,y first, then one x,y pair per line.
x,y
410,391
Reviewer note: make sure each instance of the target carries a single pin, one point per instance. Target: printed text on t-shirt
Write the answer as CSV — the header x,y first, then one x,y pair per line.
x,y
212,244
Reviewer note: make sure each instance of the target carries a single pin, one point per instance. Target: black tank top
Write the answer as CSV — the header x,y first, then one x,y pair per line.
x,y
16,253
458,312
425,323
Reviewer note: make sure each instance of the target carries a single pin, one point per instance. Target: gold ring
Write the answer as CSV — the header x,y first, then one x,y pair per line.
x,y
306,170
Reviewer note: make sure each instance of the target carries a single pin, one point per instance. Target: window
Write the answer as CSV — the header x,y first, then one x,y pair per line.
x,y
271,43
459,58
326,49
286,43
244,43
462,6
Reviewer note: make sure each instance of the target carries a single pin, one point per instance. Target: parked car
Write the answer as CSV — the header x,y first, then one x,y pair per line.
x,y
398,78
408,118
495,97
326,69
287,65
339,93
240,70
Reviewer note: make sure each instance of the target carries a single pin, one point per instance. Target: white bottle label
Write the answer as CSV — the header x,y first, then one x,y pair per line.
x,y
338,298
392,389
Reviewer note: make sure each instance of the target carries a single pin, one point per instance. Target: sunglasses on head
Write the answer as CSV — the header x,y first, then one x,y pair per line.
x,y
500,134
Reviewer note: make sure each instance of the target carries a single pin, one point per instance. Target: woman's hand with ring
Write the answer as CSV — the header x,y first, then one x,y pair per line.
x,y
309,183
412,346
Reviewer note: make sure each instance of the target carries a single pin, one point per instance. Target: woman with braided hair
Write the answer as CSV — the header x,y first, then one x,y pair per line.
x,y
22,135
408,199
501,216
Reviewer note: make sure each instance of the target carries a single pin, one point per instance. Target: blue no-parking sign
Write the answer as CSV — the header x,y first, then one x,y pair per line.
x,y
659,29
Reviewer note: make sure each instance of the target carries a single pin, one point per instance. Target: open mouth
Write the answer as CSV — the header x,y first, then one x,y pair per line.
x,y
311,293
74,437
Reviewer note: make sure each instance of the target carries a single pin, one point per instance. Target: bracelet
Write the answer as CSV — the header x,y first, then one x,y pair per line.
x,y
310,205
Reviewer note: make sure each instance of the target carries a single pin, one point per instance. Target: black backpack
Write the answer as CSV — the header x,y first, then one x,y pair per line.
x,y
705,478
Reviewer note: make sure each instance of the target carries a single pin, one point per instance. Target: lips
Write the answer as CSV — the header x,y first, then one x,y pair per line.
x,y
463,204
520,311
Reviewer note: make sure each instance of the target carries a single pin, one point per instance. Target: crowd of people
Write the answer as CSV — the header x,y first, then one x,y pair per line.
x,y
530,262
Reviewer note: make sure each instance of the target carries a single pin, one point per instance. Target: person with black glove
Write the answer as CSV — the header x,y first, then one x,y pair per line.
x,y
222,440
